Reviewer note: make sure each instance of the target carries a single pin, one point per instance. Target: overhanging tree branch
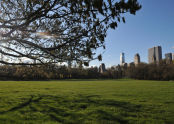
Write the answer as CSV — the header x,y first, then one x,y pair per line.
x,y
59,30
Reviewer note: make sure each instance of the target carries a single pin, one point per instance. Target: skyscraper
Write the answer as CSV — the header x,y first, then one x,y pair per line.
x,y
158,53
151,55
155,54
168,57
137,59
122,59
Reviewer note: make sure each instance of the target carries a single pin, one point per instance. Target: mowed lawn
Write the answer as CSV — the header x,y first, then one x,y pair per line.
x,y
87,101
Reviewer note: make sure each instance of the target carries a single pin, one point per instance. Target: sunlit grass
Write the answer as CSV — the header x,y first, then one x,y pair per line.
x,y
87,101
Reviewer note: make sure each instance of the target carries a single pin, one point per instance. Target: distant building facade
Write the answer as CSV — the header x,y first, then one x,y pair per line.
x,y
155,54
124,65
122,58
137,59
168,57
132,64
118,67
102,68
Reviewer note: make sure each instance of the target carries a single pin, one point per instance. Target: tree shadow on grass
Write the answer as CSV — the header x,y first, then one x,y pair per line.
x,y
97,101
89,105
22,105
78,108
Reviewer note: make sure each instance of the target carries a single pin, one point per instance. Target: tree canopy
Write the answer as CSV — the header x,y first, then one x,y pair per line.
x,y
50,31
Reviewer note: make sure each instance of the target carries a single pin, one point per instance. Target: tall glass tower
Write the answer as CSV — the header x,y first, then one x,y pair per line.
x,y
122,58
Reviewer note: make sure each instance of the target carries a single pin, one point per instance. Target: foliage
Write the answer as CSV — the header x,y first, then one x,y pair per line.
x,y
51,31
161,71
143,71
56,72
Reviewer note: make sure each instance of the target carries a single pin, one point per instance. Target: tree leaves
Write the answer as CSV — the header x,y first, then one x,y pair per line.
x,y
123,19
100,57
76,27
113,25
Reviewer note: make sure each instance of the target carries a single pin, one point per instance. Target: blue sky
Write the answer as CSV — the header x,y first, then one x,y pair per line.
x,y
153,25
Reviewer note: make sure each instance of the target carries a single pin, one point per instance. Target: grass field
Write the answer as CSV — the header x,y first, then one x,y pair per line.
x,y
87,101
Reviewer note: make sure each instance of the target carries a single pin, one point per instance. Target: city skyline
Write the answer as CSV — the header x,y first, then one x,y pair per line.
x,y
155,54
151,26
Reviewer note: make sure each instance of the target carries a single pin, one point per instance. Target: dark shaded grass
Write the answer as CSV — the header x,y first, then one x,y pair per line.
x,y
66,110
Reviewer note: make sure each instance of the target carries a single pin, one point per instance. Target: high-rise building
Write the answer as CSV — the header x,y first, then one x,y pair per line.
x,y
158,52
137,59
122,59
155,54
102,68
151,55
168,57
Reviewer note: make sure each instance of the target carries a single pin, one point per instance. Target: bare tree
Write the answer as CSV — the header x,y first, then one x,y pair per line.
x,y
50,31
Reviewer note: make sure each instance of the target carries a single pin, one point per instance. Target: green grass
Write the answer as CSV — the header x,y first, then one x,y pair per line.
x,y
87,101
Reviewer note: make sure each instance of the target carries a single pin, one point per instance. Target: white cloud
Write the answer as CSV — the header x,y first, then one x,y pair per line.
x,y
46,35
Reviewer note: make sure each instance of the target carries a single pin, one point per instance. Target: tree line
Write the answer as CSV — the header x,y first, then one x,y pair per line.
x,y
53,72
143,71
